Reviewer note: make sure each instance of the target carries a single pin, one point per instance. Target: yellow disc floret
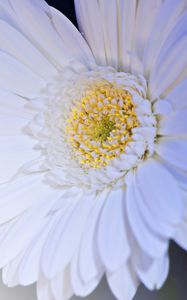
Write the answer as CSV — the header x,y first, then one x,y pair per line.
x,y
100,124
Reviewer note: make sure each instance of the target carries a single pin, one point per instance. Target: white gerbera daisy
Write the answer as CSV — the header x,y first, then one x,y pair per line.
x,y
93,142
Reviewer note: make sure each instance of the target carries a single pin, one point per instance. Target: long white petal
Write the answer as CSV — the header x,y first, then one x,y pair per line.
x,y
15,44
168,67
41,33
174,124
10,271
153,181
80,287
88,247
165,21
61,285
178,96
72,38
90,24
17,78
112,235
152,243
123,282
151,272
173,151
44,291
25,228
64,239
29,267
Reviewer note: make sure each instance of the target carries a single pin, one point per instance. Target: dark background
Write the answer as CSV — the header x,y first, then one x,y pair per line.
x,y
65,6
176,285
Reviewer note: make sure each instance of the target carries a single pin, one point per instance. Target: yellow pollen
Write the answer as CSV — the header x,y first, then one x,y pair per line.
x,y
100,124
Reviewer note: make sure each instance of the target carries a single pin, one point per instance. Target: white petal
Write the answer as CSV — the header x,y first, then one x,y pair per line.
x,y
21,233
44,291
178,96
180,175
175,124
126,21
144,23
13,105
10,272
123,282
65,237
61,285
181,235
112,237
14,152
173,151
15,44
146,215
81,288
17,78
152,272
89,261
165,21
11,124
41,33
152,243
160,191
109,20
30,264
72,38
163,107
168,67
17,196
90,25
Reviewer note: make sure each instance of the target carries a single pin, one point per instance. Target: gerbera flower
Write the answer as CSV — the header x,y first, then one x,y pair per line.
x,y
93,132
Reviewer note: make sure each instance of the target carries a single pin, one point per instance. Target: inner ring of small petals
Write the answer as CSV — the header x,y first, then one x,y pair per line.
x,y
100,124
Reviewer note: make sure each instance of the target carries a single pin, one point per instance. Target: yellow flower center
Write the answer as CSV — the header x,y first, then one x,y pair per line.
x,y
100,124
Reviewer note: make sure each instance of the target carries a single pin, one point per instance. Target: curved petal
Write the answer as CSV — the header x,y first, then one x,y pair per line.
x,y
65,236
173,151
16,44
152,243
89,20
168,67
44,33
16,148
163,107
108,29
22,231
143,26
10,271
112,234
174,124
44,291
72,38
166,19
81,288
18,196
61,285
160,191
29,266
41,33
88,247
178,96
17,78
181,235
151,272
123,282
159,227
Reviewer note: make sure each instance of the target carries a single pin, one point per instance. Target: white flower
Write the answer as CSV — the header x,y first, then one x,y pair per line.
x,y
93,142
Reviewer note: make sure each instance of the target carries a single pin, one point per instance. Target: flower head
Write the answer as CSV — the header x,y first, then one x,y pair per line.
x,y
93,144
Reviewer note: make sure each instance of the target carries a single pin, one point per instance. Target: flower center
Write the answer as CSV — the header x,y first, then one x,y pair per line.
x,y
100,124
